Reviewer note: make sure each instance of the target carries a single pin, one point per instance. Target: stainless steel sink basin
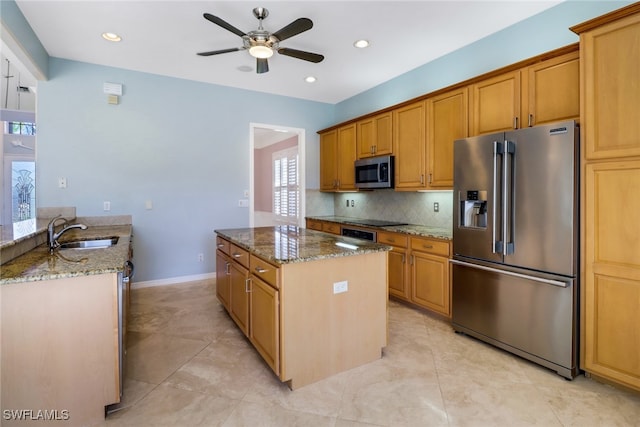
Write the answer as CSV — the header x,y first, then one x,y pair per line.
x,y
100,243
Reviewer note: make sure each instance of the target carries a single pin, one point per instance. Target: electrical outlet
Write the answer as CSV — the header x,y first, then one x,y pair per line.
x,y
106,206
353,203
62,182
347,202
436,207
340,287
200,257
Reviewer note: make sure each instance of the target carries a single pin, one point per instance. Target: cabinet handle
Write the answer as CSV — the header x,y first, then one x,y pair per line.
x,y
226,268
411,260
515,122
260,270
430,178
404,258
237,255
220,245
427,246
392,240
530,120
247,288
421,179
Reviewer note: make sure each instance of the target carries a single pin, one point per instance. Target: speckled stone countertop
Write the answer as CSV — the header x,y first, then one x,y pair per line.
x,y
412,229
288,244
39,264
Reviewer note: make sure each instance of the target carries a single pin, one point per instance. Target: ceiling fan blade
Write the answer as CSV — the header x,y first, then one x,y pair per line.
x,y
217,52
262,66
224,24
301,54
298,26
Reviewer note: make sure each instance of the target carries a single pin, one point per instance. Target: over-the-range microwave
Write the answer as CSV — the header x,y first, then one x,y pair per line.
x,y
374,172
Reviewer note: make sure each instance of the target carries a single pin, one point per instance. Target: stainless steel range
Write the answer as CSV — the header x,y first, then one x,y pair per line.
x,y
367,234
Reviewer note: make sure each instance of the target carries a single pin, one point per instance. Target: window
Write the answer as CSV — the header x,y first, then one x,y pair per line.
x,y
286,188
20,128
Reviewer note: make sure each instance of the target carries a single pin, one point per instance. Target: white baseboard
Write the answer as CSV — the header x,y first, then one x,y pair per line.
x,y
173,280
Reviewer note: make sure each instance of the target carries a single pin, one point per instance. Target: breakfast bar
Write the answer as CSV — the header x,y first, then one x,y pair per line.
x,y
312,304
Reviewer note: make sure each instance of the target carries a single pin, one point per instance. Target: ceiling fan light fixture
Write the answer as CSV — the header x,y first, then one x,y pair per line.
x,y
260,51
361,44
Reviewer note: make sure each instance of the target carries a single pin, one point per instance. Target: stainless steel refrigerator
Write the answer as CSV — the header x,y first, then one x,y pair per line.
x,y
515,242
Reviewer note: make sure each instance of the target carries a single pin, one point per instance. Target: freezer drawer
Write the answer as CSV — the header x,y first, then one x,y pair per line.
x,y
519,313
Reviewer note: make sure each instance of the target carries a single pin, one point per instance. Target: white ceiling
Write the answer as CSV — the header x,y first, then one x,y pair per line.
x,y
163,37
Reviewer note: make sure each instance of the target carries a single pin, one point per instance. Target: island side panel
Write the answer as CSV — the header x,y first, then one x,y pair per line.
x,y
59,348
324,333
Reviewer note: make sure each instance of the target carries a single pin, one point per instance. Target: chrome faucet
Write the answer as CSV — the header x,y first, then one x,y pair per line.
x,y
52,236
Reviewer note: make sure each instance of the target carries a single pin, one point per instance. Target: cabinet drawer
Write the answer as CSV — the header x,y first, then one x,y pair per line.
x,y
264,270
240,255
314,224
432,246
393,239
222,244
331,227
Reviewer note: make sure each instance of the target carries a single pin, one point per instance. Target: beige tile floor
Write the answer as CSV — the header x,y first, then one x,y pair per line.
x,y
188,365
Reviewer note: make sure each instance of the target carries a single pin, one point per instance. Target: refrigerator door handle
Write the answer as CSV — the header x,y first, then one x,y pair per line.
x,y
508,228
496,245
510,273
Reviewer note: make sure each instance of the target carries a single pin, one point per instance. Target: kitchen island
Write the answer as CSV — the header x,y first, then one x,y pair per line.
x,y
312,304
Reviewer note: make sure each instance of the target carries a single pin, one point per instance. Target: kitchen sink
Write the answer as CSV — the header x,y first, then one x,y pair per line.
x,y
98,243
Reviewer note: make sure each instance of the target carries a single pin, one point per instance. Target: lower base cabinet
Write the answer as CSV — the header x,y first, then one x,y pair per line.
x,y
419,271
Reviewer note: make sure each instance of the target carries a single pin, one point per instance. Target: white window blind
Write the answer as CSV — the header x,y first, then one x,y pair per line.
x,y
286,186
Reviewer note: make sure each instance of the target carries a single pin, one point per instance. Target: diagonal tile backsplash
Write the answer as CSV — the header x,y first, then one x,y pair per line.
x,y
390,205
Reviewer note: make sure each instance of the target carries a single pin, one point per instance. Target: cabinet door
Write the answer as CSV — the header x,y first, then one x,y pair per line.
x,y
265,322
346,157
552,90
612,271
328,160
409,146
496,104
375,136
398,278
239,297
448,120
430,282
610,65
222,279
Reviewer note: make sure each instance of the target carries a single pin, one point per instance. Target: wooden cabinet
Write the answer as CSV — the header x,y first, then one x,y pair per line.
x,y
544,92
375,136
551,90
610,295
399,285
223,290
610,67
430,278
447,120
314,224
238,288
409,146
331,227
264,317
337,157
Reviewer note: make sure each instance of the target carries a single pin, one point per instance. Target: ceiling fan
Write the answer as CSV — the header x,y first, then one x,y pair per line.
x,y
261,43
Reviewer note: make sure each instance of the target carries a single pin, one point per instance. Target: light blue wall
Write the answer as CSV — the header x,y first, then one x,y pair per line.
x,y
541,33
183,145
13,21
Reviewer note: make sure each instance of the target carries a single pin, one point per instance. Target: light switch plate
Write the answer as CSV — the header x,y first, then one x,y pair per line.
x,y
340,287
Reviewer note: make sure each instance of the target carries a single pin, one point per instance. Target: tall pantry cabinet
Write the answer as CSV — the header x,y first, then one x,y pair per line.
x,y
610,112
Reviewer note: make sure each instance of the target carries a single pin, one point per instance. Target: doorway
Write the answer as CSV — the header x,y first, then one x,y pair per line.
x,y
277,195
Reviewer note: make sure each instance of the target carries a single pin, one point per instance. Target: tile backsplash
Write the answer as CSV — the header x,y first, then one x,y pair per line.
x,y
410,207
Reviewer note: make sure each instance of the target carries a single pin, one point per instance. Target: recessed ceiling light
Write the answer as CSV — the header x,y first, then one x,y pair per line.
x,y
112,37
361,44
310,79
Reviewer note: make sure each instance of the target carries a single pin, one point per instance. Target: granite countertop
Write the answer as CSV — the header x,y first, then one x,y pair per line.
x,y
411,229
286,244
38,264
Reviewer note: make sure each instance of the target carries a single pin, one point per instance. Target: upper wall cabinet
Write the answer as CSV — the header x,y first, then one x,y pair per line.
x,y
541,93
409,146
611,91
375,136
551,90
447,120
337,157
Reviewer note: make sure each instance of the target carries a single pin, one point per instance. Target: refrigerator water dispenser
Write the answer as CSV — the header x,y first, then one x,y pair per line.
x,y
473,209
